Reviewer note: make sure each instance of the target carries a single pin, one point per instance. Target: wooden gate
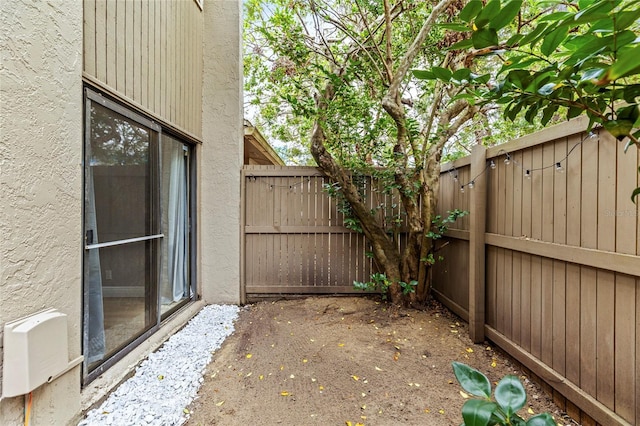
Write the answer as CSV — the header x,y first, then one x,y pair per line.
x,y
294,238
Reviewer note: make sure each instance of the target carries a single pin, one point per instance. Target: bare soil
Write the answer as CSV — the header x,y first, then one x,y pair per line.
x,y
335,360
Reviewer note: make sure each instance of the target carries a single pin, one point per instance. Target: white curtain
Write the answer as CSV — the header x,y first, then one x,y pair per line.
x,y
175,287
96,339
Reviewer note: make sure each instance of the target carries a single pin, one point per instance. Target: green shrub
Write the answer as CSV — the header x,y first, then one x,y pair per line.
x,y
510,397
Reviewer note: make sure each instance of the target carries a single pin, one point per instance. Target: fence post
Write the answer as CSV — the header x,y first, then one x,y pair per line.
x,y
478,213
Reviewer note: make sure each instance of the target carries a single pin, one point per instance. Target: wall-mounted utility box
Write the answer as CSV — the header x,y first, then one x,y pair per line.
x,y
35,351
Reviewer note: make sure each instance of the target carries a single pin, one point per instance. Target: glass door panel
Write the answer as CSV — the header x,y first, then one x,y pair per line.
x,y
120,232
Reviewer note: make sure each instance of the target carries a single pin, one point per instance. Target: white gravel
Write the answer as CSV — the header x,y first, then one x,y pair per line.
x,y
169,379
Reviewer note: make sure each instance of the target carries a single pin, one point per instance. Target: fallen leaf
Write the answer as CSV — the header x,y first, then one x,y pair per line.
x,y
321,388
261,377
348,423
530,411
441,411
249,356
493,363
470,350
160,377
304,361
426,410
378,369
396,356
356,378
464,395
340,344
248,374
219,403
284,393
186,411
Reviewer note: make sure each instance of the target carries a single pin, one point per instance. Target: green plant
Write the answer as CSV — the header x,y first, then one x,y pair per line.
x,y
378,282
510,397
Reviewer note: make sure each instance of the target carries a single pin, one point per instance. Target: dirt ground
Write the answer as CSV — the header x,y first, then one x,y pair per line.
x,y
335,360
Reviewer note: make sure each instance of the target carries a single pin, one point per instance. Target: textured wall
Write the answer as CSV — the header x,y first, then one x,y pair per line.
x,y
220,156
41,181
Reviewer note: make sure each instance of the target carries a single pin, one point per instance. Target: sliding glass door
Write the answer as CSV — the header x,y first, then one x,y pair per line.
x,y
136,228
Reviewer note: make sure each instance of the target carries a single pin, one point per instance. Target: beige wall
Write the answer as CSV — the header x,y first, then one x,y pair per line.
x,y
41,182
41,190
220,156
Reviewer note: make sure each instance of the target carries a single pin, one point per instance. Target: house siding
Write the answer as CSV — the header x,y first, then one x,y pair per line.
x,y
150,56
149,52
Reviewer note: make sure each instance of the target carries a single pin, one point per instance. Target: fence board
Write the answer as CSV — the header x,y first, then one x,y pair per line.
x,y
562,266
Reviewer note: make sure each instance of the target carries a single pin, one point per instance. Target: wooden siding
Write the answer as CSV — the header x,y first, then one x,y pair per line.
x,y
150,53
562,265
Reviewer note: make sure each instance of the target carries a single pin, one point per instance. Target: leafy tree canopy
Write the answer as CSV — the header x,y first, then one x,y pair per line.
x,y
578,57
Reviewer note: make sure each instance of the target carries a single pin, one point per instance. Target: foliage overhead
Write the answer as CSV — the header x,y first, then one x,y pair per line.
x,y
335,75
578,57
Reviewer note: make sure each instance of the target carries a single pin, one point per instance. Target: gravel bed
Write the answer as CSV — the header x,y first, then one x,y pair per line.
x,y
168,380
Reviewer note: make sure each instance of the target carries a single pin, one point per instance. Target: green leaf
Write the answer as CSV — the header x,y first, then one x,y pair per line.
x,y
626,65
619,129
477,412
510,394
471,10
514,40
424,74
598,10
552,40
462,44
472,380
487,13
442,73
573,112
455,27
519,78
506,15
548,112
533,35
635,193
543,419
626,19
484,37
461,74
555,16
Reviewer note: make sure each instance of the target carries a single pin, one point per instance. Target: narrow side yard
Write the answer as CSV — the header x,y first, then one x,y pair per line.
x,y
333,360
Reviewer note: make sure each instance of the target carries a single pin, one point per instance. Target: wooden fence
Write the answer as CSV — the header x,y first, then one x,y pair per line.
x,y
295,241
548,266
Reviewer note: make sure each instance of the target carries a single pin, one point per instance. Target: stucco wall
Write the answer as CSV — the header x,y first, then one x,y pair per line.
x,y
41,182
220,156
